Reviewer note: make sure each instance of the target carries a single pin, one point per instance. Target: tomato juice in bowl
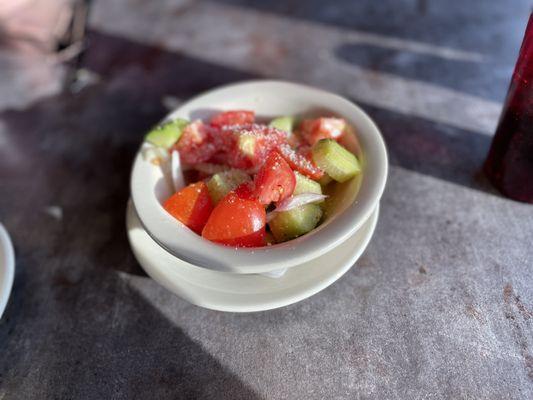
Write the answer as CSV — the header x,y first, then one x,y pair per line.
x,y
353,199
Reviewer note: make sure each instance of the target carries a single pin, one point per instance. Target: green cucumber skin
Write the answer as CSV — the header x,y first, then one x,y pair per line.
x,y
167,133
339,163
288,225
269,239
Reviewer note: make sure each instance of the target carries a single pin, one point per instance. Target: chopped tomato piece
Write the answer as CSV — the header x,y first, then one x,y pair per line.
x,y
322,128
246,146
304,150
235,117
195,145
301,161
191,205
245,190
296,140
256,239
237,222
220,158
275,180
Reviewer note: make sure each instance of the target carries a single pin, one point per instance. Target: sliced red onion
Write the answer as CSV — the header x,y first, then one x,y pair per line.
x,y
178,181
299,200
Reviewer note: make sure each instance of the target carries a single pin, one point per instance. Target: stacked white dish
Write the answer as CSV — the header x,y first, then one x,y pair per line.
x,y
7,267
230,279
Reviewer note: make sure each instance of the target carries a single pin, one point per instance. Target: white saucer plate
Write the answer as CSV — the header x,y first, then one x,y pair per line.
x,y
7,268
232,292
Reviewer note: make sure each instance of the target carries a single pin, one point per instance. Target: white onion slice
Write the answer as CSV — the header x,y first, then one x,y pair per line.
x,y
299,200
178,181
295,201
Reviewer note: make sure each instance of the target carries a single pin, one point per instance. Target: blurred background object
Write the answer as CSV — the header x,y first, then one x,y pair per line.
x,y
29,35
510,161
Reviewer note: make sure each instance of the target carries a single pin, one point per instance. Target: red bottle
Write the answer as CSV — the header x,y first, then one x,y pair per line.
x,y
509,165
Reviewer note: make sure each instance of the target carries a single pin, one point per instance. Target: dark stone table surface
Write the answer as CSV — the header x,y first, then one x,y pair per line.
x,y
438,307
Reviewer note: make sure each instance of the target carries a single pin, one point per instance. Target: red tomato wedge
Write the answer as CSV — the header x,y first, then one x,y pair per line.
x,y
191,205
235,117
275,180
256,239
322,128
300,162
195,145
237,222
245,190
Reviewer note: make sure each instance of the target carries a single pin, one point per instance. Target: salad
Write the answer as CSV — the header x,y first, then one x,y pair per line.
x,y
242,183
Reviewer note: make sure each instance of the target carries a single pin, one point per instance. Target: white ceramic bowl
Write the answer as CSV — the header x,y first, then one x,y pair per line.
x,y
355,199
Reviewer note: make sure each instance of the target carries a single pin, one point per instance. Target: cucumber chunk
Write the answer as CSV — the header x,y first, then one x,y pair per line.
x,y
305,185
167,133
269,239
283,123
246,144
290,224
222,183
325,180
335,160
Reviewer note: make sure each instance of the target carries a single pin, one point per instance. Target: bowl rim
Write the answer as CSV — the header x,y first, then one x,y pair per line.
x,y
187,245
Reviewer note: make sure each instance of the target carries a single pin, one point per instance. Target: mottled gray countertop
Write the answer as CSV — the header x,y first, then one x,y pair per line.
x,y
438,307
